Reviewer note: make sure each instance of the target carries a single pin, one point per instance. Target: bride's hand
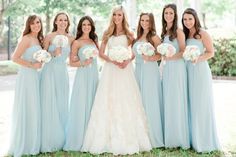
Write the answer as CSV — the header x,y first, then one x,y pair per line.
x,y
124,64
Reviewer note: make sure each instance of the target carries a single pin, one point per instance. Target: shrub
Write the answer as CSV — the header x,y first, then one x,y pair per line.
x,y
224,61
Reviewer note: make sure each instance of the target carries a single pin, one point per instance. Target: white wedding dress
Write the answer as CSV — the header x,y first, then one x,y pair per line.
x,y
118,123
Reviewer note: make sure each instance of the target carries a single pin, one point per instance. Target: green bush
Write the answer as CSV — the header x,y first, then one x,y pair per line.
x,y
224,61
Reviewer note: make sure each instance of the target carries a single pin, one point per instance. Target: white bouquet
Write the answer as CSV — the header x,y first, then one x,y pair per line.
x,y
42,56
166,49
60,41
191,53
119,54
146,49
90,52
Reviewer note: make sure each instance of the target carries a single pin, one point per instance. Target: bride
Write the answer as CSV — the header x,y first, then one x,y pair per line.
x,y
118,123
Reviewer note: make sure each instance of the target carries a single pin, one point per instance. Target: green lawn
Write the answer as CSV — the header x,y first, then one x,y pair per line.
x,y
154,153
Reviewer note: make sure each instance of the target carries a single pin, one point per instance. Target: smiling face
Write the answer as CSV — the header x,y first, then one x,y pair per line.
x,y
188,20
86,26
169,15
35,26
145,22
61,22
118,17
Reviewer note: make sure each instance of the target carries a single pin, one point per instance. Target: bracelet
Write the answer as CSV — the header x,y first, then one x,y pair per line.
x,y
30,64
81,64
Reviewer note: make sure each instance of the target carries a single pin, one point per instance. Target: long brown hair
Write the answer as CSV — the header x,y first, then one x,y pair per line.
x,y
173,29
55,25
112,27
152,28
92,34
27,29
197,24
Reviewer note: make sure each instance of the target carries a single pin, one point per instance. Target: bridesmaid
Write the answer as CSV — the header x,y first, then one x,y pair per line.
x,y
148,77
203,130
174,83
25,130
85,83
55,88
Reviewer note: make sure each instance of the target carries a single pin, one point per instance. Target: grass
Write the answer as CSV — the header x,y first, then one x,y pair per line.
x,y
8,67
160,152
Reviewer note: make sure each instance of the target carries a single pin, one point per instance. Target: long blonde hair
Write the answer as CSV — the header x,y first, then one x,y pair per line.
x,y
112,27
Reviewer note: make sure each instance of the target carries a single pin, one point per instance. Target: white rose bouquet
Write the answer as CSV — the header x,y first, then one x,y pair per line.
x,y
60,41
119,54
166,49
146,49
90,52
191,53
42,56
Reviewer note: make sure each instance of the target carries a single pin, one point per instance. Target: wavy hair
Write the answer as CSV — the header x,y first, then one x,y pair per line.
x,y
112,27
27,29
197,24
55,19
173,29
152,28
92,34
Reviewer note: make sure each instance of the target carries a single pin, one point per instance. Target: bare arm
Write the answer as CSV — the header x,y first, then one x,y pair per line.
x,y
47,42
102,52
74,59
181,42
207,42
157,56
20,49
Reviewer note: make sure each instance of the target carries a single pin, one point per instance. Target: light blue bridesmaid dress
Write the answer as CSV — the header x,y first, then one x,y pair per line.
x,y
174,82
202,119
83,93
54,101
148,78
25,130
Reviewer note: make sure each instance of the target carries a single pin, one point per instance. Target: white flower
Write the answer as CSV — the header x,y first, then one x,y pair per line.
x,y
42,56
191,52
146,48
60,41
166,49
90,52
119,54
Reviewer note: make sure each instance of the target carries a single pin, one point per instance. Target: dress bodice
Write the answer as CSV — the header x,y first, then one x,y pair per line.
x,y
81,54
174,42
138,57
120,40
197,43
29,52
64,52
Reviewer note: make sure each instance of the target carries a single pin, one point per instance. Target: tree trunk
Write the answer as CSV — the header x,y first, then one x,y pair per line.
x,y
47,23
1,18
47,16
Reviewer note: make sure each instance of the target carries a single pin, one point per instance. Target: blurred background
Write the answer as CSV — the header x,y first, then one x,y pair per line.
x,y
218,17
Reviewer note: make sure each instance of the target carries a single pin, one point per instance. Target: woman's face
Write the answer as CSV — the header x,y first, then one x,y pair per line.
x,y
35,26
189,21
118,17
169,15
86,26
144,22
61,21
